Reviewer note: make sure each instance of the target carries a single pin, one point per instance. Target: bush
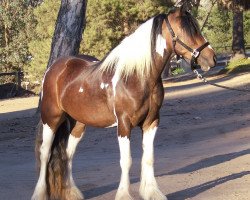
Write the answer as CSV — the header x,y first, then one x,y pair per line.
x,y
178,71
237,66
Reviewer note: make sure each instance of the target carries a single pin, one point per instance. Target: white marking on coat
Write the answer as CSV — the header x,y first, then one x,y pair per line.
x,y
71,148
114,81
80,89
125,163
160,45
104,85
43,82
148,186
48,137
113,125
209,46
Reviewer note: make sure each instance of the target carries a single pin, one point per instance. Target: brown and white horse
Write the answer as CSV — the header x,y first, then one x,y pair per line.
x,y
124,90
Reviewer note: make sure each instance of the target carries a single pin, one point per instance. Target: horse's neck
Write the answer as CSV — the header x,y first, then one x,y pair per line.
x,y
160,64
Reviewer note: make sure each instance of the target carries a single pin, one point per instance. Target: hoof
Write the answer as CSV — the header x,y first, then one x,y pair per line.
x,y
123,195
73,193
152,193
40,193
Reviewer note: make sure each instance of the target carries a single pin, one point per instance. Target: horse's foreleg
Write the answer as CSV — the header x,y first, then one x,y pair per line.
x,y
40,192
148,186
72,192
125,161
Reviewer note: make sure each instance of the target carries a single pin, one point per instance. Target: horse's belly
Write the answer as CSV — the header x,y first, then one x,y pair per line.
x,y
87,102
96,119
93,112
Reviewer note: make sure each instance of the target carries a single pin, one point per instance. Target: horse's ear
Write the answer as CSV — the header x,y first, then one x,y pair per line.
x,y
184,8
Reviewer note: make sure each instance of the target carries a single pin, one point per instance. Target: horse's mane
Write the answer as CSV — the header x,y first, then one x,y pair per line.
x,y
135,53
188,23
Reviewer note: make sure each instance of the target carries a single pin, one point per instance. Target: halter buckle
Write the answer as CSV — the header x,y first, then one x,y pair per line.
x,y
195,53
175,38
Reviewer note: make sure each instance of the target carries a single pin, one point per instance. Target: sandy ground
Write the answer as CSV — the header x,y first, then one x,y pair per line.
x,y
202,148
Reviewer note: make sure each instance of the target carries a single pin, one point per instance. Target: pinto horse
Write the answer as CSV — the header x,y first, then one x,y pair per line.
x,y
125,90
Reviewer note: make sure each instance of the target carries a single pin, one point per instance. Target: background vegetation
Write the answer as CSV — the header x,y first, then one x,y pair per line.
x,y
26,29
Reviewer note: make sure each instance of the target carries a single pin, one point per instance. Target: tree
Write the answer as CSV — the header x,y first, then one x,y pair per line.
x,y
208,13
69,19
217,27
41,38
238,6
16,21
69,28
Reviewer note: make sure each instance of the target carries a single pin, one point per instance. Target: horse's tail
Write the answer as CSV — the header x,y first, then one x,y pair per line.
x,y
57,166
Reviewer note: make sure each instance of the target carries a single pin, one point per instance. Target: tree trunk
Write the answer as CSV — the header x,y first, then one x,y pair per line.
x,y
238,46
69,28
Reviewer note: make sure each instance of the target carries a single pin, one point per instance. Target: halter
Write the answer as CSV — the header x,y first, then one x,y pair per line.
x,y
194,52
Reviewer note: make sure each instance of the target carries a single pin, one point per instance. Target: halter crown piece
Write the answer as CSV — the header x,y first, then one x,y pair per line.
x,y
194,52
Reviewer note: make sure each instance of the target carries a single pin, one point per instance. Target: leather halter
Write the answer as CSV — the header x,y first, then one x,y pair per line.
x,y
194,52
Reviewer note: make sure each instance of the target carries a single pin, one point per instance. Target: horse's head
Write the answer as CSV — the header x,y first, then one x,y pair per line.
x,y
187,40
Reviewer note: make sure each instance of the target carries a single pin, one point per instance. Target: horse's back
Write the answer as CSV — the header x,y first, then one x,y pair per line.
x,y
87,58
69,61
65,68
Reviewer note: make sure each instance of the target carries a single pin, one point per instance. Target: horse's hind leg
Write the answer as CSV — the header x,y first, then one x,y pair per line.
x,y
48,134
72,192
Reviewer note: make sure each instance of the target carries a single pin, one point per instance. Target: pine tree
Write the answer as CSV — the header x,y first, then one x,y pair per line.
x,y
218,27
238,7
16,21
39,46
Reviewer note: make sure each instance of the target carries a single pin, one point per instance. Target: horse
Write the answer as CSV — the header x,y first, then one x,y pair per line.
x,y
123,90
88,58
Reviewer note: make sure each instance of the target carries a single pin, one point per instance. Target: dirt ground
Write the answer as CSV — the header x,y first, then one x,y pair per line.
x,y
202,148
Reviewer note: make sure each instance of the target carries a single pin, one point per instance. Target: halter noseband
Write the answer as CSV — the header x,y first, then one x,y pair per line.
x,y
194,52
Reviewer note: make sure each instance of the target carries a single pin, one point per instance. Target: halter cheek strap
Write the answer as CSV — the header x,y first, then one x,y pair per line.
x,y
194,52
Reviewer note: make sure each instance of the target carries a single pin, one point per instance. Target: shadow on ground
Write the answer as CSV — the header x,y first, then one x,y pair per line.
x,y
186,193
18,114
208,162
193,191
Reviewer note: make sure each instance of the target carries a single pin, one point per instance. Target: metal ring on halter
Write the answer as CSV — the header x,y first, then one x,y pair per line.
x,y
195,53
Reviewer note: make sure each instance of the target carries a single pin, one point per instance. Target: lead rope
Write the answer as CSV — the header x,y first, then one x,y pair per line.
x,y
203,79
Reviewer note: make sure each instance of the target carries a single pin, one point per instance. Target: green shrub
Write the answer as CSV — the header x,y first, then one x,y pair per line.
x,y
238,66
178,71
